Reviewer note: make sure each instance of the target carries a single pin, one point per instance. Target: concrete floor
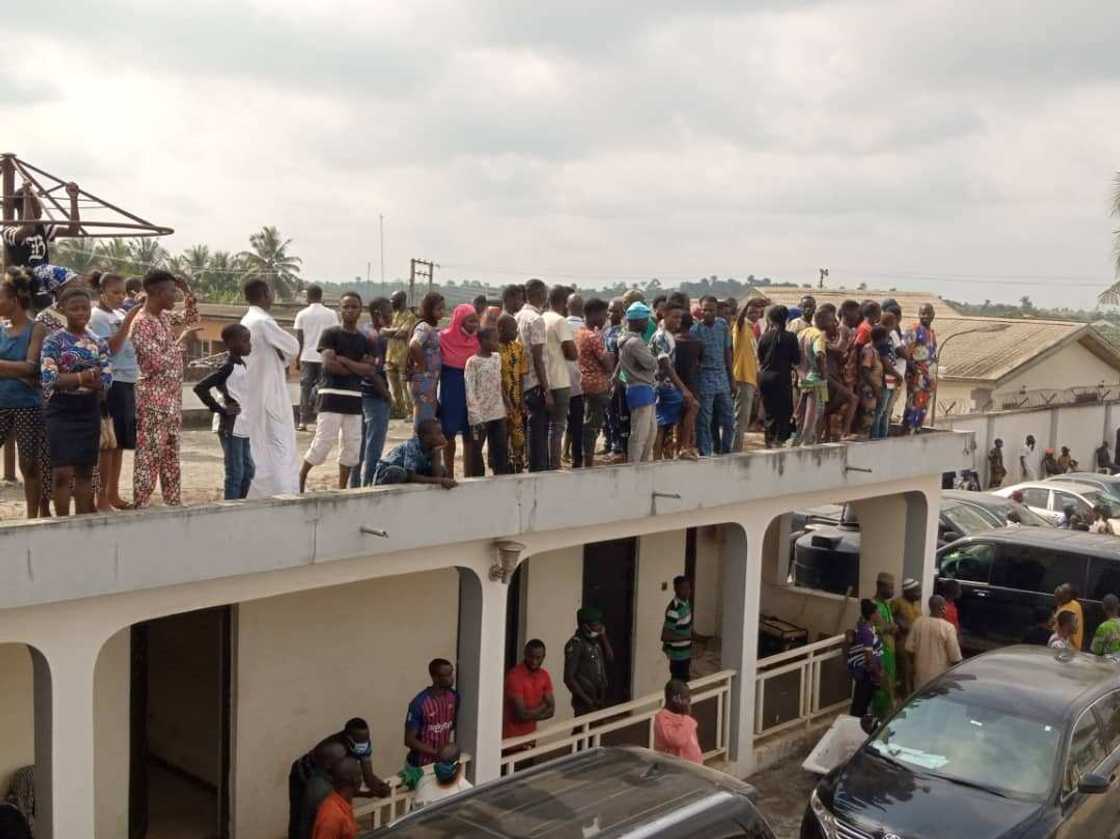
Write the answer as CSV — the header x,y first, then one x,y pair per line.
x,y
783,794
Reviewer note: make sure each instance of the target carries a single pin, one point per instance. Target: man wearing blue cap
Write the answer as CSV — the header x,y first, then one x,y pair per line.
x,y
637,361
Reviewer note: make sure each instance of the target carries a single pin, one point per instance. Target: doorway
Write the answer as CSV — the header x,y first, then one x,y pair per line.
x,y
180,726
608,584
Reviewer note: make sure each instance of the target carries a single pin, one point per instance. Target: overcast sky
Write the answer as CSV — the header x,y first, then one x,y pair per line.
x,y
964,147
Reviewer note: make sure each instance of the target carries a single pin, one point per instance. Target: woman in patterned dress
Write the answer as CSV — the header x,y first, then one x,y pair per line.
x,y
424,358
921,367
75,373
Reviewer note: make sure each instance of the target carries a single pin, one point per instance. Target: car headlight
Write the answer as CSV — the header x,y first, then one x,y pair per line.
x,y
825,819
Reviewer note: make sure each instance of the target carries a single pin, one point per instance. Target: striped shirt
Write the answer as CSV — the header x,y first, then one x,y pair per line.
x,y
678,620
432,716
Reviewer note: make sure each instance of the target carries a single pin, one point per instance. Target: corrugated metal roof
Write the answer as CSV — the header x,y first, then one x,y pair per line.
x,y
1012,343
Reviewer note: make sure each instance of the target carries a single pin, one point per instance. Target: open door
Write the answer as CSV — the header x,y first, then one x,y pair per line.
x,y
181,713
608,584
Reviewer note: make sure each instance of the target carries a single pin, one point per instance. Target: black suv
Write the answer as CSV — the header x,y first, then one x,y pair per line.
x,y
1009,575
1021,743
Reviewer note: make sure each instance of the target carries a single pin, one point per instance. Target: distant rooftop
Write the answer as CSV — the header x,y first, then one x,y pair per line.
x,y
991,356
910,301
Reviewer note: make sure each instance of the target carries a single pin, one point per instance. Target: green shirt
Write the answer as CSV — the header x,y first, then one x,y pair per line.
x,y
678,622
1106,640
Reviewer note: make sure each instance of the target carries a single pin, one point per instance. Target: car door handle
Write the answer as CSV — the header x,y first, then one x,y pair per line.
x,y
980,593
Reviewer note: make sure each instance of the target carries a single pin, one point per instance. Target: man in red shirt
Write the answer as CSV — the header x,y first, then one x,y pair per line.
x,y
528,694
335,819
951,591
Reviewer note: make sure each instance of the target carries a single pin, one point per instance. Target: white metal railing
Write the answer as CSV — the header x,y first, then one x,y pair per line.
x,y
585,731
375,812
806,661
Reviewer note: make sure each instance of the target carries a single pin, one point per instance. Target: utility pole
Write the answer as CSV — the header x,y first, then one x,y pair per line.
x,y
381,227
420,269
824,276
369,266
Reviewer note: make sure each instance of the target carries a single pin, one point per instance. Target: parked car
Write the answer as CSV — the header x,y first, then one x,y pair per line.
x,y
1007,575
826,556
605,793
1049,499
1109,483
984,753
998,507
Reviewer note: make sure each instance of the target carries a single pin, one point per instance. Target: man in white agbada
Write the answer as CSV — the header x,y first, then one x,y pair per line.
x,y
272,433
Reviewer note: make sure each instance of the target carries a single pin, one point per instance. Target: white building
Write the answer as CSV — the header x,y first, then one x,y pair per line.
x,y
219,643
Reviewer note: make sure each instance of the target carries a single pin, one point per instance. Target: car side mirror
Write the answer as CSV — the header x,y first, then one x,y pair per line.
x,y
1094,784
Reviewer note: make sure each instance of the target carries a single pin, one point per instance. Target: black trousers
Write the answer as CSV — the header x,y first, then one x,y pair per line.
x,y
681,669
536,427
296,787
575,429
496,436
861,697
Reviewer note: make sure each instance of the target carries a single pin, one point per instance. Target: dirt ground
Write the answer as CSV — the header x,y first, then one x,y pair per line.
x,y
203,470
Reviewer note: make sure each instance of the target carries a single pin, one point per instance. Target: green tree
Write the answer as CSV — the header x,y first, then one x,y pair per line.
x,y
1111,295
76,254
269,260
147,253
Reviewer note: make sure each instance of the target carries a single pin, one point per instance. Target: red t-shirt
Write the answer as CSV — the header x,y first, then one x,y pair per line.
x,y
530,687
951,614
863,334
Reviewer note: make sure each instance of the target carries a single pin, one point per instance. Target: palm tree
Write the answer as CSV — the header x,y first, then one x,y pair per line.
x,y
76,254
1111,295
224,277
270,261
147,253
115,255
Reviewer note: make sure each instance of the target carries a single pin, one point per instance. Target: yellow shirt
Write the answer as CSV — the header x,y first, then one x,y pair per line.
x,y
1077,639
744,355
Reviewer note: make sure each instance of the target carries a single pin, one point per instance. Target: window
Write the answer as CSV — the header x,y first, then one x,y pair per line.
x,y
1028,568
966,520
971,563
1085,751
1108,709
1104,578
1036,497
1062,499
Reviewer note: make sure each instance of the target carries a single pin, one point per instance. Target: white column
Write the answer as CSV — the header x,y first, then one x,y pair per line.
x,y
482,638
742,581
64,741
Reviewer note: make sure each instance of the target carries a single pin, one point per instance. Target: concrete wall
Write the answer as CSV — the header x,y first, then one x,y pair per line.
x,y
307,662
17,711
553,593
1081,427
660,558
111,728
184,693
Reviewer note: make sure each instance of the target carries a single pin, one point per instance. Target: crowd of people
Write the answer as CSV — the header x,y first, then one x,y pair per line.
x,y
895,648
323,782
546,379
91,366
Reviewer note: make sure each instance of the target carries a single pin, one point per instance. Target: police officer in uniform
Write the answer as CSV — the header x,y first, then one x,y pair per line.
x,y
586,657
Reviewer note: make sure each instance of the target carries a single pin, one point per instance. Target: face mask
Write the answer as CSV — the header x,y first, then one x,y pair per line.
x,y
360,749
446,771
593,634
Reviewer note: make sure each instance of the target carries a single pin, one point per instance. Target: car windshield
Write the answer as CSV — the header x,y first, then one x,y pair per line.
x,y
967,520
1100,498
959,740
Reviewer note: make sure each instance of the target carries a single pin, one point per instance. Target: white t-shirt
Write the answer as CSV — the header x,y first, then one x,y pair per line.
x,y
899,345
429,790
557,331
531,333
1033,461
312,321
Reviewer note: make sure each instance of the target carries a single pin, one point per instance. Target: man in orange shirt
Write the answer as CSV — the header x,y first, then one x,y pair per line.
x,y
336,814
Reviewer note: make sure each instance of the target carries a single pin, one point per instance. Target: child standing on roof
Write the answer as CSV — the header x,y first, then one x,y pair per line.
x,y
230,418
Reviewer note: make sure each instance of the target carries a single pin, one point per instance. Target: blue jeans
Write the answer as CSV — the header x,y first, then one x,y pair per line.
x,y
881,424
375,426
239,466
715,403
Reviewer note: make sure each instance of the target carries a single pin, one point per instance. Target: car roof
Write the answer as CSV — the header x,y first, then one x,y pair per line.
x,y
620,790
1060,682
1090,476
1067,486
1075,541
980,499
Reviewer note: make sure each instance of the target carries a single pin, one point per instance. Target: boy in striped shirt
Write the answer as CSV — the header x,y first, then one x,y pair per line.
x,y
676,635
430,723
